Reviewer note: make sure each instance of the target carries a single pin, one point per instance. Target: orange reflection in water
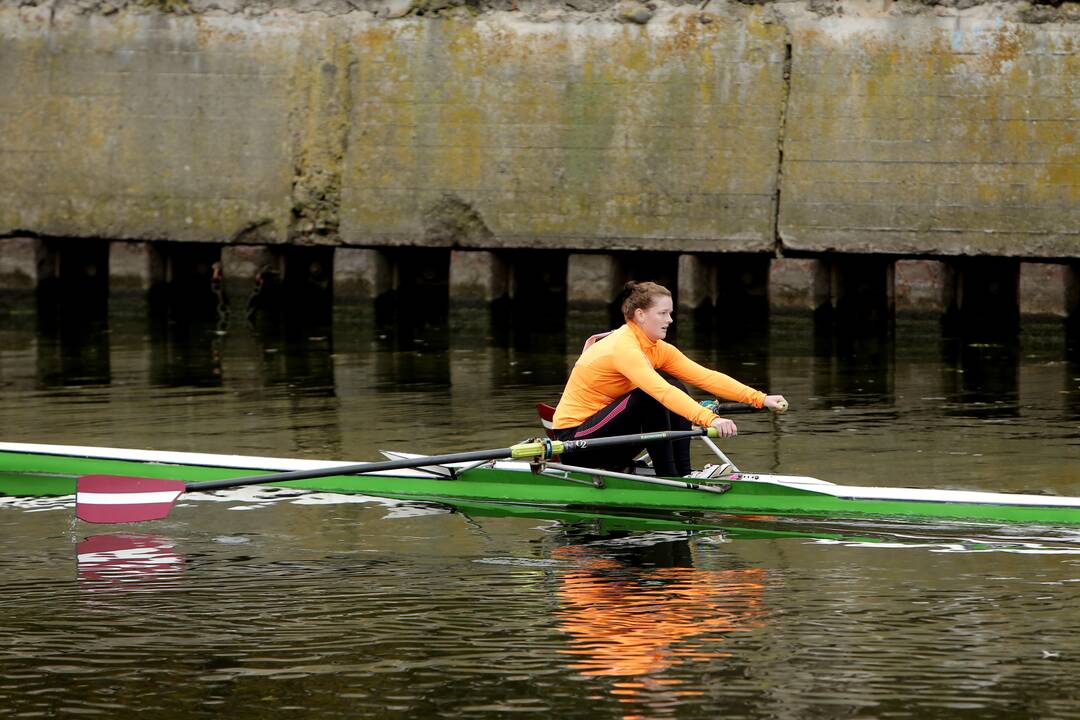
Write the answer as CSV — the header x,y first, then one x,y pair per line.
x,y
636,623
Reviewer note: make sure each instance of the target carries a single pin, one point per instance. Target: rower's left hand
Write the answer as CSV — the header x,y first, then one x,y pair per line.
x,y
776,403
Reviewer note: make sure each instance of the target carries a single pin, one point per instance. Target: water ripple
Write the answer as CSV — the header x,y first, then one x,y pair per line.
x,y
262,603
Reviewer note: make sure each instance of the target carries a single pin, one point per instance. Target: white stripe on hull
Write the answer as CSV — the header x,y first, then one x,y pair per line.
x,y
244,462
856,492
160,457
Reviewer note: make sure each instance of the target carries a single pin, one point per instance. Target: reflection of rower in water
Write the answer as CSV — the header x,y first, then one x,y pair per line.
x,y
636,623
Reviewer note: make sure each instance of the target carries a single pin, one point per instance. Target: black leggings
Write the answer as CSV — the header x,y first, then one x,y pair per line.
x,y
633,413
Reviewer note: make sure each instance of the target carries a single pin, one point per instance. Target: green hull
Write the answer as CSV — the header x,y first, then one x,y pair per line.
x,y
744,498
37,474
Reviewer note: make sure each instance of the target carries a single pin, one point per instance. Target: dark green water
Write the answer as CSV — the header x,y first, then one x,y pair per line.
x,y
266,604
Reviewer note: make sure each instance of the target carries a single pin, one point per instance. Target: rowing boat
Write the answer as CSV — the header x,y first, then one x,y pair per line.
x,y
37,469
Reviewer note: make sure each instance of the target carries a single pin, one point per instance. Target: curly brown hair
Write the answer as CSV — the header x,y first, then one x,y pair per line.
x,y
640,296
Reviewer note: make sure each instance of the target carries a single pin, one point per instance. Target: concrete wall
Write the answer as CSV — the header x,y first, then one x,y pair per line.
x,y
507,133
611,130
145,126
933,135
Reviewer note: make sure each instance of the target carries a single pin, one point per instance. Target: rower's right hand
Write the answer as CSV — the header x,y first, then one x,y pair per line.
x,y
725,427
776,403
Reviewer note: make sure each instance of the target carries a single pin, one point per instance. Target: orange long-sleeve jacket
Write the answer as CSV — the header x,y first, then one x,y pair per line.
x,y
628,359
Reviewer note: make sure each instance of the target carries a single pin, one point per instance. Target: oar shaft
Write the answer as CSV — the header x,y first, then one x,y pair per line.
x,y
357,469
569,446
731,408
521,451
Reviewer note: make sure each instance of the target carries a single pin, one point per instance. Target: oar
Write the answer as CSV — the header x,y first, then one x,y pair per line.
x,y
118,499
733,408
723,409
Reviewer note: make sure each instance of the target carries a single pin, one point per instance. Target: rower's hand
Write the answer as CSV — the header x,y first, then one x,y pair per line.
x,y
725,427
776,403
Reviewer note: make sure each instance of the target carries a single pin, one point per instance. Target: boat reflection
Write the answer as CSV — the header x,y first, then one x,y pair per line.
x,y
633,605
592,523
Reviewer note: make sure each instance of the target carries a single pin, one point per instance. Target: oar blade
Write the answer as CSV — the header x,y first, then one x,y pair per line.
x,y
116,499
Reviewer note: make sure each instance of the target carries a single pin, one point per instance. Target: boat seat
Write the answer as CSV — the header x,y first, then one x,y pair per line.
x,y
546,413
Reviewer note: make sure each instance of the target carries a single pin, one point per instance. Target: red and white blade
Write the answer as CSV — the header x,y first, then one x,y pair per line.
x,y
116,499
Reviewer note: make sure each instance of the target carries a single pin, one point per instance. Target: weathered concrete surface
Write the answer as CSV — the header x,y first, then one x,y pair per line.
x,y
697,282
950,135
361,274
21,261
923,287
134,267
242,268
798,285
1048,290
145,126
618,125
501,133
592,280
477,277
482,132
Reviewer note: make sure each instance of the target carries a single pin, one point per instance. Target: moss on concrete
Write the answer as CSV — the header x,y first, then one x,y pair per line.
x,y
575,125
319,126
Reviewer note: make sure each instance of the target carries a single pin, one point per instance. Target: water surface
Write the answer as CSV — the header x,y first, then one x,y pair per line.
x,y
270,603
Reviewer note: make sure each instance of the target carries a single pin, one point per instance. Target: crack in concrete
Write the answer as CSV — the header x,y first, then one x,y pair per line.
x,y
778,240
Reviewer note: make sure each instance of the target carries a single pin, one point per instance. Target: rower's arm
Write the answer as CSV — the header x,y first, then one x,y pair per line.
x,y
717,383
638,370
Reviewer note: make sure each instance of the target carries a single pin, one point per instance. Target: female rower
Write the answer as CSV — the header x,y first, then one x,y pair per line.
x,y
615,389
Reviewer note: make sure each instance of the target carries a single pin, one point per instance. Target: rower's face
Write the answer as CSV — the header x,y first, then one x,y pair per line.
x,y
655,319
